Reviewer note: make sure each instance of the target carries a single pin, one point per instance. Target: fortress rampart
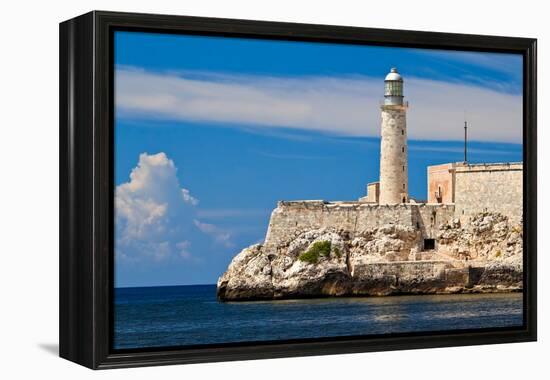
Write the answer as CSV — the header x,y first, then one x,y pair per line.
x,y
489,188
293,216
429,217
475,188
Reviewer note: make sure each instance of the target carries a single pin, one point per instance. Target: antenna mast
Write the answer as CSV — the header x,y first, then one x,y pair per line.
x,y
465,141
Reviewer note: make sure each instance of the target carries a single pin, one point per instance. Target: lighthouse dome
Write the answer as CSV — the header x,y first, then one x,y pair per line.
x,y
393,88
394,75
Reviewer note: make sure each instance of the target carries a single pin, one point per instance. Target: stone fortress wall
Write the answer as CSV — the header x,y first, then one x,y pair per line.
x,y
475,188
375,250
293,216
457,191
489,188
429,217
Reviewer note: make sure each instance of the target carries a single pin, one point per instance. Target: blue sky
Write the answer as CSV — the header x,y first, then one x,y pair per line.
x,y
211,132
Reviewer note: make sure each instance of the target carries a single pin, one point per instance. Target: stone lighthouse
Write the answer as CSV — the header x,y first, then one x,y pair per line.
x,y
394,187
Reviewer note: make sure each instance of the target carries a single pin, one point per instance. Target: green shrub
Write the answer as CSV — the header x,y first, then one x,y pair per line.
x,y
318,249
309,257
337,252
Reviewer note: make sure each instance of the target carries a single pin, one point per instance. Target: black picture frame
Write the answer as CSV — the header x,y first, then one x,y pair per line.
x,y
87,183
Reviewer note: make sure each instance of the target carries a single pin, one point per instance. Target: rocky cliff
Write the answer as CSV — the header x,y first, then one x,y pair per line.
x,y
483,256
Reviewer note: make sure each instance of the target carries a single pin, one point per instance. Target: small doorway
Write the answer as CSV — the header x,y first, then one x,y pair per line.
x,y
429,244
439,195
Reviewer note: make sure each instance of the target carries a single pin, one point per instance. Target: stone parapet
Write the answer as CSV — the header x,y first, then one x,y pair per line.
x,y
292,216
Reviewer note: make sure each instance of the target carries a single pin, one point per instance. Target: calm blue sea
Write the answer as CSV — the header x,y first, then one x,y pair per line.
x,y
189,315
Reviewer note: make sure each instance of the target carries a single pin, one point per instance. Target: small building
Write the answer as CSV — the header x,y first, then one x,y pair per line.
x,y
373,193
441,183
474,188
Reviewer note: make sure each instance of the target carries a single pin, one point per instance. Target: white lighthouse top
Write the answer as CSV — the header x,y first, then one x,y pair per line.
x,y
393,88
394,75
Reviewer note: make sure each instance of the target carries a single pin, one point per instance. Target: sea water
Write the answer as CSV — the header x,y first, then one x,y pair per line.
x,y
191,315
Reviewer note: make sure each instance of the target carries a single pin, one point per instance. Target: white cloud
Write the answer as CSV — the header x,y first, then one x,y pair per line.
x,y
146,207
188,198
220,235
341,105
155,216
502,62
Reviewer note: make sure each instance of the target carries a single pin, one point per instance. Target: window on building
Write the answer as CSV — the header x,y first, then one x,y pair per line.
x,y
403,149
402,132
429,244
403,167
403,186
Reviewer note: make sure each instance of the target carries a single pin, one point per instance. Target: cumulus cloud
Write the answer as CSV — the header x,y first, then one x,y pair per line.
x,y
340,105
155,216
147,205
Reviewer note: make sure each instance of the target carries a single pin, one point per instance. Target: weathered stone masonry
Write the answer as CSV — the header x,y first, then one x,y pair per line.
x,y
376,250
289,217
474,188
394,186
489,187
393,155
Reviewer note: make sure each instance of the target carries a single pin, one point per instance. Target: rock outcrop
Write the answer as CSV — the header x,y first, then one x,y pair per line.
x,y
483,256
489,241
